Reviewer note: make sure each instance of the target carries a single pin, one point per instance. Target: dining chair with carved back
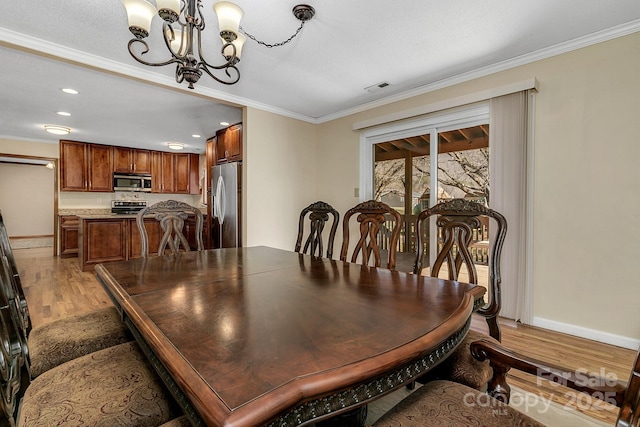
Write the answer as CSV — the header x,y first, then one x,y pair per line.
x,y
106,384
452,403
171,216
318,216
373,218
60,340
462,228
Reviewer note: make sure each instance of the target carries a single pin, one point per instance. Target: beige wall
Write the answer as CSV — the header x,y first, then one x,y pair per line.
x,y
27,199
29,148
281,175
27,191
586,177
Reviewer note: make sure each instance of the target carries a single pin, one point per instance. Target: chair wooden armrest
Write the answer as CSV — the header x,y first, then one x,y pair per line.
x,y
502,360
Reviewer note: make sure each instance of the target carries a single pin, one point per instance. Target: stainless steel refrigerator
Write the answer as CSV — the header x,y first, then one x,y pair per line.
x,y
226,189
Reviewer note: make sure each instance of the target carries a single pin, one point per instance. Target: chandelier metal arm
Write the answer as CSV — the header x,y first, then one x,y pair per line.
x,y
231,80
230,64
142,61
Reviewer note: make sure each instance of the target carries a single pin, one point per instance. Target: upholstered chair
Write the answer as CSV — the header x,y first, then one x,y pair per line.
x,y
111,387
447,403
462,227
61,340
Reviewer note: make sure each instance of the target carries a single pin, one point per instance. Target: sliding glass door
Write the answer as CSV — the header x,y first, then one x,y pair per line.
x,y
405,174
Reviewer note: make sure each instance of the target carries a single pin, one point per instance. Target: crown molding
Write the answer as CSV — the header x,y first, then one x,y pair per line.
x,y
571,45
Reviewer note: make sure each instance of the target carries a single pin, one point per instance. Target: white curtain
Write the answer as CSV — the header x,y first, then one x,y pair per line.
x,y
508,131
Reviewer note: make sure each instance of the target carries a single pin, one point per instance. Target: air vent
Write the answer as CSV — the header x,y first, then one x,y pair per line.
x,y
376,87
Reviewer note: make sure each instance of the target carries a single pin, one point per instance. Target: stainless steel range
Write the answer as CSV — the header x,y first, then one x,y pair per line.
x,y
127,206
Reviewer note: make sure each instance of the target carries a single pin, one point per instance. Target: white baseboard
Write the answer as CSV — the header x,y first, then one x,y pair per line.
x,y
591,334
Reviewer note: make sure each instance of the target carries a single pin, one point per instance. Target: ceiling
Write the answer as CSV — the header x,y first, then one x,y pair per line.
x,y
414,45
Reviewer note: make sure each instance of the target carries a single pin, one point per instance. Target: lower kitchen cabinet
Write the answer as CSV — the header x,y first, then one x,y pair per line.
x,y
118,239
102,240
68,236
154,233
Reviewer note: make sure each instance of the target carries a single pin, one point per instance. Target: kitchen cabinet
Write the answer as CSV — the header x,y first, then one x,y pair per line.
x,y
85,167
117,238
162,172
102,240
90,167
154,232
68,236
174,173
186,174
229,144
131,160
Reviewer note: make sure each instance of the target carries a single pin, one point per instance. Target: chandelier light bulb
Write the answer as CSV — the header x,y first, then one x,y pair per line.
x,y
169,10
229,16
139,13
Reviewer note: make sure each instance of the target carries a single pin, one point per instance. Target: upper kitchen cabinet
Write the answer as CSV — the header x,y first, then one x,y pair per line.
x,y
186,173
85,167
131,160
162,172
229,144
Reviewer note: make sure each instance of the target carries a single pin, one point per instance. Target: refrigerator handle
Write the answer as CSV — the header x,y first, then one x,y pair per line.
x,y
219,202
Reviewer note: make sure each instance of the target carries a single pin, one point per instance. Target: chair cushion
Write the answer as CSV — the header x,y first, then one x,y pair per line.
x,y
71,337
182,421
445,403
111,387
462,367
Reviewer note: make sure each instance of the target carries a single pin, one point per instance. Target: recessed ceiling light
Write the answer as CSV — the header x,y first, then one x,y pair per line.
x,y
70,91
64,113
224,123
195,135
57,130
175,145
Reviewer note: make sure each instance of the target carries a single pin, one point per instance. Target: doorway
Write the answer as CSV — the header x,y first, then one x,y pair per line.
x,y
28,200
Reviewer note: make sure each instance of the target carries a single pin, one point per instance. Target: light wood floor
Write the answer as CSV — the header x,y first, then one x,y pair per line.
x,y
56,287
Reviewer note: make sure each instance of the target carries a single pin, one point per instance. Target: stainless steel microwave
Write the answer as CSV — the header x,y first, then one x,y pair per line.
x,y
131,182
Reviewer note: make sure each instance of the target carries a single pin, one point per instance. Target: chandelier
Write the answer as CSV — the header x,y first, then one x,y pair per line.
x,y
182,31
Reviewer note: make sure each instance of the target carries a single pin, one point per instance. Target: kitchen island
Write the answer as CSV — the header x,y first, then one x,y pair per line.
x,y
106,237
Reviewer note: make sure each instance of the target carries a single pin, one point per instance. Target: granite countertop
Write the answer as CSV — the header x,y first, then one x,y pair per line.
x,y
81,211
105,215
102,213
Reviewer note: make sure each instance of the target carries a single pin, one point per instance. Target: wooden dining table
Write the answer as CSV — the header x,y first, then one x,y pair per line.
x,y
261,336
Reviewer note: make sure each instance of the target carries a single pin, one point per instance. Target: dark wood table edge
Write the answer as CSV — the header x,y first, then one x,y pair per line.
x,y
309,411
326,407
352,398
